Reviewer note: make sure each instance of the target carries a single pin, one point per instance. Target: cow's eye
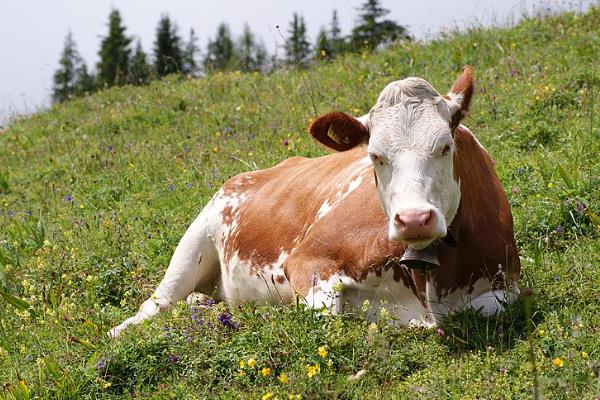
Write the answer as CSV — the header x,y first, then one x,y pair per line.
x,y
446,150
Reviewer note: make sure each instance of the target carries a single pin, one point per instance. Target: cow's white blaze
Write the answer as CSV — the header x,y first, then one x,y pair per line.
x,y
411,147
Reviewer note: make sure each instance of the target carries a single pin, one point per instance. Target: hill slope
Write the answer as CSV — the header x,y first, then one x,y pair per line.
x,y
94,195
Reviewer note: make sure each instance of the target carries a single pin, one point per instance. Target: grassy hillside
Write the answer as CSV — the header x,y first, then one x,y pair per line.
x,y
95,194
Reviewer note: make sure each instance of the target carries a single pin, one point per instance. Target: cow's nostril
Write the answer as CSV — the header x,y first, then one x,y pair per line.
x,y
399,220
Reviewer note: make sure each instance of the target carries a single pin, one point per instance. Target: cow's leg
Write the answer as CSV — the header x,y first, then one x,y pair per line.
x,y
194,264
326,294
493,301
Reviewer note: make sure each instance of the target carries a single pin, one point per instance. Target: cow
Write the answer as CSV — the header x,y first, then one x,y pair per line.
x,y
331,231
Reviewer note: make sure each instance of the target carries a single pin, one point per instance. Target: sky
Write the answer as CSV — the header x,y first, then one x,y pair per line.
x,y
32,32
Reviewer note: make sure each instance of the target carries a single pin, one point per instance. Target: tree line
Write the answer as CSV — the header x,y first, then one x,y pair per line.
x,y
122,60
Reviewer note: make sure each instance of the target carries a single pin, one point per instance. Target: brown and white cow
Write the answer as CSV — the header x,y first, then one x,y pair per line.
x,y
332,230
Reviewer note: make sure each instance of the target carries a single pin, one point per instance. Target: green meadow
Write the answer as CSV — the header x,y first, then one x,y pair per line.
x,y
95,194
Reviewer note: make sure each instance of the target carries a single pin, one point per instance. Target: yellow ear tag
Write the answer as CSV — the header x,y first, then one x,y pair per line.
x,y
333,136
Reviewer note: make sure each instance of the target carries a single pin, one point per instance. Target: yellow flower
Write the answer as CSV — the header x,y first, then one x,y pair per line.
x,y
251,362
558,362
294,396
550,185
323,351
267,396
242,364
265,371
584,354
323,53
541,332
283,378
312,370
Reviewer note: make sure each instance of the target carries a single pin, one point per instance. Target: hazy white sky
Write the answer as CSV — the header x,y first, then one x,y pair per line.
x,y
32,31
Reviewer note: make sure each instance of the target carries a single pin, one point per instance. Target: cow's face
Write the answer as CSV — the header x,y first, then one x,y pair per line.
x,y
410,142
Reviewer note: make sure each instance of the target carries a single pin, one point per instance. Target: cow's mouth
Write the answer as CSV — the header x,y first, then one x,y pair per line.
x,y
418,243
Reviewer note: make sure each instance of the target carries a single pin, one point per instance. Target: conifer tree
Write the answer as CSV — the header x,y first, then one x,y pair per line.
x,y
323,50
297,47
337,42
220,54
140,70
85,82
71,78
371,31
167,48
114,53
252,55
190,56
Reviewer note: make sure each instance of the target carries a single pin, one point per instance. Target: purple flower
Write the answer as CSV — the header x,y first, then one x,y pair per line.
x,y
225,320
110,148
209,303
520,170
559,230
502,370
286,142
101,364
28,212
440,332
189,186
314,279
69,198
580,206
556,278
10,214
174,358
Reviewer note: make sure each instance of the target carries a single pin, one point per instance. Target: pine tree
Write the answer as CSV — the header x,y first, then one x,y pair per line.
x,y
114,53
252,55
323,50
297,46
190,54
167,48
140,70
370,32
85,82
71,78
220,54
336,41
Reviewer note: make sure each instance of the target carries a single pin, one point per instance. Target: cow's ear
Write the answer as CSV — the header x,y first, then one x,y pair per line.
x,y
339,131
459,96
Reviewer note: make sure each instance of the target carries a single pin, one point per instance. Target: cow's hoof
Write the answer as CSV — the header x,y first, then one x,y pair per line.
x,y
196,298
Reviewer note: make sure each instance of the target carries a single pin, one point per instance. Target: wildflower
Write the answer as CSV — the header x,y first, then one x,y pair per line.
x,y
314,279
322,351
541,332
312,370
440,332
559,230
225,319
174,358
81,206
323,53
283,378
266,371
69,198
189,186
294,396
242,364
580,206
286,142
267,396
502,370
170,188
558,362
110,148
251,362
584,354
550,185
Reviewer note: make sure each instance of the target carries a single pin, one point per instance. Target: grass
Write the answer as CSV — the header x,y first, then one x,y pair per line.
x,y
95,194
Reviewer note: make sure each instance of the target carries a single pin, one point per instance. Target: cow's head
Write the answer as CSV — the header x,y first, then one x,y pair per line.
x,y
409,133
